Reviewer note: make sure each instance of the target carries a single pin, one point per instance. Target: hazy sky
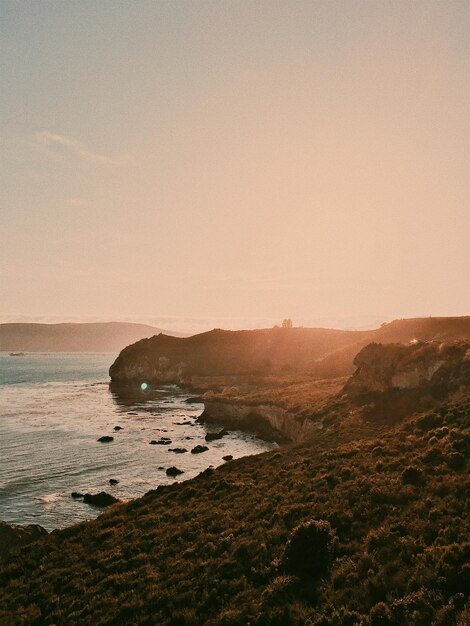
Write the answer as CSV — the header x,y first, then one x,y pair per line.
x,y
235,159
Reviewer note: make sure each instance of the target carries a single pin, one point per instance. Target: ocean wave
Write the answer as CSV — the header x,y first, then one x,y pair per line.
x,y
50,498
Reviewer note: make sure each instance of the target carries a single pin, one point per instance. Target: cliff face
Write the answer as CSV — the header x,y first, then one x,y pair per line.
x,y
437,367
269,421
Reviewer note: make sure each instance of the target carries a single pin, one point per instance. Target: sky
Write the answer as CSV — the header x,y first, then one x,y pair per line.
x,y
231,163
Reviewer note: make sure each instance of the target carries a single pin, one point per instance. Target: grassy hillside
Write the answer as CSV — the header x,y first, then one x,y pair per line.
x,y
92,337
213,550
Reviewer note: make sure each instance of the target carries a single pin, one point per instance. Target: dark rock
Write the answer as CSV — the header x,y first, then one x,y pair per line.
x,y
105,439
118,428
13,535
173,471
76,494
199,449
214,436
227,457
163,441
177,450
161,468
113,481
99,499
132,413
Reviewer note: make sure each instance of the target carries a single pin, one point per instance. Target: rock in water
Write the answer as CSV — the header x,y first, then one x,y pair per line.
x,y
173,471
99,499
13,535
199,449
214,436
105,439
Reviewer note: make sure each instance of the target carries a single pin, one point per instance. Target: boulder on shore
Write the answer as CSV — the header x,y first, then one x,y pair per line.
x,y
99,499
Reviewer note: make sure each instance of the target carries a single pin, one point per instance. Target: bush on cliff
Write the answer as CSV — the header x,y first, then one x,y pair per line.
x,y
309,551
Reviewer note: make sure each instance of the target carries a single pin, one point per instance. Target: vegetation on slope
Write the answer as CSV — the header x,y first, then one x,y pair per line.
x,y
390,529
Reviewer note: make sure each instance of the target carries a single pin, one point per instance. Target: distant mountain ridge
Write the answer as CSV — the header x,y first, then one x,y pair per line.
x,y
75,337
319,351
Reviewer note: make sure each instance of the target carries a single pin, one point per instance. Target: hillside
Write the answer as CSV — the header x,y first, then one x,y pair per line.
x,y
215,551
315,351
86,337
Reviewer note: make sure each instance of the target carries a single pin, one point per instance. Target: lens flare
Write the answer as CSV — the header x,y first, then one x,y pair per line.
x,y
144,386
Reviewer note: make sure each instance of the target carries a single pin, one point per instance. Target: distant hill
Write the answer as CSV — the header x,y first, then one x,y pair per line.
x,y
71,337
320,351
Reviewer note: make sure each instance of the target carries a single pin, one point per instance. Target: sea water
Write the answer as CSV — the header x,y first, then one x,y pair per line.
x,y
53,409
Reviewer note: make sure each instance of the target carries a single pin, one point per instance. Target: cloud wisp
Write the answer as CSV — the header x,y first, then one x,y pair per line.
x,y
60,146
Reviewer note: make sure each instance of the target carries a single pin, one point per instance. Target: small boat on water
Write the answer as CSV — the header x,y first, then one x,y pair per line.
x,y
16,353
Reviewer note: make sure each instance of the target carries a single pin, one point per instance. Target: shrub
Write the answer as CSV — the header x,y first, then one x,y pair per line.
x,y
411,475
456,461
380,615
309,550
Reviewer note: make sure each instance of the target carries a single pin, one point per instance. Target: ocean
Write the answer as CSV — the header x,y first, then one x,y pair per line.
x,y
53,409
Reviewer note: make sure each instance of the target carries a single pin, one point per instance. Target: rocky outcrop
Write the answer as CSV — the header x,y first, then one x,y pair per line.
x,y
215,436
173,471
12,536
436,367
164,359
268,421
101,499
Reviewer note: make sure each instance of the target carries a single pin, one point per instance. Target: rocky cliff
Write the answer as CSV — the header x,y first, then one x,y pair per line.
x,y
267,420
436,367
226,353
